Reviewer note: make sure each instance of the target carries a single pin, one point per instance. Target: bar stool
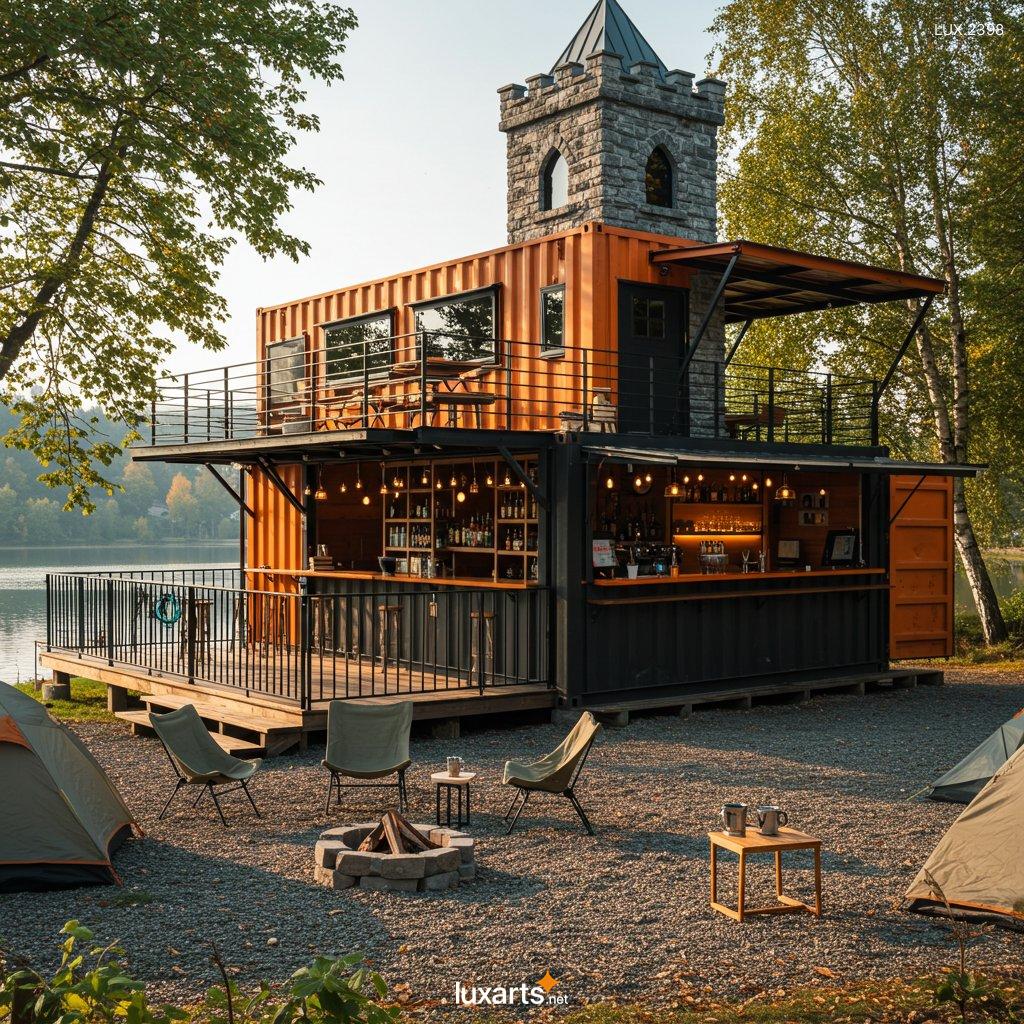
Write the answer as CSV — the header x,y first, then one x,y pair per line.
x,y
321,610
273,622
200,632
389,624
474,643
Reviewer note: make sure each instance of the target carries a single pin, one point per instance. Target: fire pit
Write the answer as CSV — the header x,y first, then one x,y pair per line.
x,y
394,854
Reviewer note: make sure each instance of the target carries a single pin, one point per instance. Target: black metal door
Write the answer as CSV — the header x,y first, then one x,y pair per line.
x,y
651,344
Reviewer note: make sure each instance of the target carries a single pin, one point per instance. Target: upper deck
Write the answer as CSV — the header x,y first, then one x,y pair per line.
x,y
595,329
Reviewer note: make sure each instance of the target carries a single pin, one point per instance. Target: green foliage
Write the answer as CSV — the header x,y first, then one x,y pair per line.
x,y
95,988
88,701
138,140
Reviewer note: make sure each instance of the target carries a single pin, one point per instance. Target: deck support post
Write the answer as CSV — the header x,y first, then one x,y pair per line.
x,y
706,319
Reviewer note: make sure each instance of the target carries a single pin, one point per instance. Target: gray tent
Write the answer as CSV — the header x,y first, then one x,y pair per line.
x,y
60,816
962,783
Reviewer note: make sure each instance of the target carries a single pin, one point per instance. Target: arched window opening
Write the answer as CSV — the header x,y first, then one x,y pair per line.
x,y
554,182
659,178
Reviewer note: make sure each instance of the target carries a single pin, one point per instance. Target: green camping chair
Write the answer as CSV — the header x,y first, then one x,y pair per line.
x,y
367,741
197,759
557,772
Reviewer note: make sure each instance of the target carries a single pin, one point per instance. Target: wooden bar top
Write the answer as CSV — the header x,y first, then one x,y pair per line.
x,y
733,577
379,577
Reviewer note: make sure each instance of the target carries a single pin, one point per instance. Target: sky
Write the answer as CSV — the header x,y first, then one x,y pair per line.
x,y
409,152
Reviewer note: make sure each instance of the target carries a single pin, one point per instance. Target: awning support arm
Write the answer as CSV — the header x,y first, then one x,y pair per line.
x,y
922,312
913,491
708,314
736,343
227,487
275,478
521,476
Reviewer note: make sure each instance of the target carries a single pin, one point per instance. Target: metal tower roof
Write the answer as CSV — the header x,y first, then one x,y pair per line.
x,y
608,27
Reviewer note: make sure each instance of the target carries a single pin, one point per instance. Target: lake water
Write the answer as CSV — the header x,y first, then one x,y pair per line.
x,y
23,593
23,589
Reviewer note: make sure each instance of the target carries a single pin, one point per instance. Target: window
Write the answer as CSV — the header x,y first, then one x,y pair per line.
x,y
659,178
347,341
286,370
552,318
648,317
554,182
460,328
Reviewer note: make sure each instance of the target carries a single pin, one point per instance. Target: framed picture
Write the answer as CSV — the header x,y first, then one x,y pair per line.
x,y
604,553
810,518
814,499
840,549
788,552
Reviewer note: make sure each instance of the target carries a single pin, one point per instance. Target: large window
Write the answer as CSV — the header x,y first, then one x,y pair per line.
x,y
552,318
461,328
554,181
286,371
658,179
348,342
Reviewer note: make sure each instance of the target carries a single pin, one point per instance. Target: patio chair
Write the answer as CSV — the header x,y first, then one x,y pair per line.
x,y
557,772
367,741
198,760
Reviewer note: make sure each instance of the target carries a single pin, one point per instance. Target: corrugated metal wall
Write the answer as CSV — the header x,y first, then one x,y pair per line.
x,y
275,533
921,568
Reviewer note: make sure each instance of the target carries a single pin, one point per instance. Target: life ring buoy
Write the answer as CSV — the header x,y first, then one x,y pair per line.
x,y
167,609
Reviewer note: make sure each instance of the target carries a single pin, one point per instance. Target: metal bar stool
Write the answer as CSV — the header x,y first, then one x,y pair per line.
x,y
323,622
474,643
201,636
389,624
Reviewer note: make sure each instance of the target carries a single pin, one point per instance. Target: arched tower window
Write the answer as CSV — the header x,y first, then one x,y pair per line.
x,y
658,178
554,182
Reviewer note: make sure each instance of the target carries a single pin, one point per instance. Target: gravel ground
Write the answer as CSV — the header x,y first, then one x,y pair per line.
x,y
624,915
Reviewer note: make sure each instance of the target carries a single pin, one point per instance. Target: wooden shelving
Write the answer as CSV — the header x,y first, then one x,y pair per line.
x,y
481,508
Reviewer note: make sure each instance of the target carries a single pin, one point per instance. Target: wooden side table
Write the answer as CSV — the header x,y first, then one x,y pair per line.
x,y
453,784
754,842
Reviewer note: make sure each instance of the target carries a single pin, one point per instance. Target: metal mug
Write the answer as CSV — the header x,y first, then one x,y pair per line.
x,y
455,766
734,819
769,818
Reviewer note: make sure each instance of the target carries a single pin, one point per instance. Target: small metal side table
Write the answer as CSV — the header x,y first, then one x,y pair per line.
x,y
450,784
754,842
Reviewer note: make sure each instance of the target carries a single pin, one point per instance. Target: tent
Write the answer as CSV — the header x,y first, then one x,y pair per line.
x,y
60,816
962,783
978,862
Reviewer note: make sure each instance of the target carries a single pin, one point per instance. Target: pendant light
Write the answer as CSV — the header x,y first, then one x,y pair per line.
x,y
508,479
460,494
672,491
383,483
489,479
439,485
454,482
359,476
343,488
474,487
785,492
320,494
424,478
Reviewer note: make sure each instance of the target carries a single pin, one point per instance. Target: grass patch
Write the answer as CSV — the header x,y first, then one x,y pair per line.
x,y
88,701
892,1001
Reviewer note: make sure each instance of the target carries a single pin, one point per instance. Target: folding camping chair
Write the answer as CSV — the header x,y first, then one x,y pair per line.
x,y
557,772
197,759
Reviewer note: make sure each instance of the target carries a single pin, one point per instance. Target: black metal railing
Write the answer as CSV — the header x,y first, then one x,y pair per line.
x,y
205,626
515,385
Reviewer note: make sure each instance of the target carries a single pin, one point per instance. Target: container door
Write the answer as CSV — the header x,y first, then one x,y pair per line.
x,y
651,343
921,567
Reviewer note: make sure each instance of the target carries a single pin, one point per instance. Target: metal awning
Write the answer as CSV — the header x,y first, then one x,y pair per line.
x,y
766,280
787,461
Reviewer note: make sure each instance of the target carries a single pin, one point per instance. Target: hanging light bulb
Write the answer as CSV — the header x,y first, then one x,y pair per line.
x,y
439,485
822,492
424,478
672,491
359,478
454,482
638,482
460,496
320,494
489,479
732,478
474,487
343,488
754,485
307,490
767,481
700,478
366,499
397,482
686,479
383,481
508,479
610,483
744,478
647,477
785,492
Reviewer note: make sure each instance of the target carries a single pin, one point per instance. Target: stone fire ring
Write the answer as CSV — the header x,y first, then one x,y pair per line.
x,y
340,864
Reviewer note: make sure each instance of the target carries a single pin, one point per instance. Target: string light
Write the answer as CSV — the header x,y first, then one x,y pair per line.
x,y
424,478
474,487
359,479
366,499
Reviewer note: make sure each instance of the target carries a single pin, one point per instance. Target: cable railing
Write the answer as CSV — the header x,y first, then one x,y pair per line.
x,y
207,626
429,380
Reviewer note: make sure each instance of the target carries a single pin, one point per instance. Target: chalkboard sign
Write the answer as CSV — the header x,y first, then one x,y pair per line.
x,y
604,553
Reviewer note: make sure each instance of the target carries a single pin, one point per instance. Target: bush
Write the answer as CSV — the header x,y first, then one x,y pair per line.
x,y
95,988
1013,612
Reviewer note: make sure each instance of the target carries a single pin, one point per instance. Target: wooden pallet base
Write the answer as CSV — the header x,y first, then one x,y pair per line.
x,y
617,713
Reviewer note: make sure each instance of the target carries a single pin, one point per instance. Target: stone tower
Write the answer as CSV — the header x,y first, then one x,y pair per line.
x,y
607,104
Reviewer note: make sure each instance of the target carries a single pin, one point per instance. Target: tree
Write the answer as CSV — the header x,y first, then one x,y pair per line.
x,y
182,506
139,487
138,139
856,128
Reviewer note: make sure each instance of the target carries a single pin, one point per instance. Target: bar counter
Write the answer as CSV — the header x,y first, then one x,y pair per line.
x,y
466,582
732,577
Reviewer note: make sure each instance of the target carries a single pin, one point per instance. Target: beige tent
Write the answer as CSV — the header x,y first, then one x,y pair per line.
x,y
60,816
978,863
